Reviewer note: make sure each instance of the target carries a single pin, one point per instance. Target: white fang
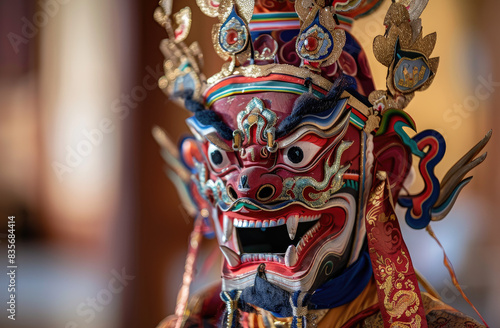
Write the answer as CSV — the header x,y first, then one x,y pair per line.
x,y
291,256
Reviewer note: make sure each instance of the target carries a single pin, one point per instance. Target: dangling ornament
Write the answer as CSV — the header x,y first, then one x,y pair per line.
x,y
319,43
233,34
406,53
315,43
183,63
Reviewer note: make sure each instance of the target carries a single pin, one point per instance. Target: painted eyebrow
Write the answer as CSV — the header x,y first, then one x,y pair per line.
x,y
336,129
211,118
217,141
308,104
313,138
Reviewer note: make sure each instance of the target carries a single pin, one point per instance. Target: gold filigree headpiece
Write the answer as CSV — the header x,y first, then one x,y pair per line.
x,y
303,39
406,54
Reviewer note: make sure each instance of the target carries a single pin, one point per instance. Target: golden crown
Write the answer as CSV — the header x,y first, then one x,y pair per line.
x,y
298,42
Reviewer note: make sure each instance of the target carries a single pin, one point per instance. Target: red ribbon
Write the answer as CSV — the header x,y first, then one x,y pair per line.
x,y
397,286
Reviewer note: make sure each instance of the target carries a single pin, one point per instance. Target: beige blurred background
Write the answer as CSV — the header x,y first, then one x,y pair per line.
x,y
100,236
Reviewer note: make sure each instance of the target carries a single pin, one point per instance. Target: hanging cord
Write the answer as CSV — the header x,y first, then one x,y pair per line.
x,y
194,244
231,299
298,301
453,275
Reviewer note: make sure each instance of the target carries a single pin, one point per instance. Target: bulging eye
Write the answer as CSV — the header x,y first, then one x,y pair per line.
x,y
218,158
300,154
295,154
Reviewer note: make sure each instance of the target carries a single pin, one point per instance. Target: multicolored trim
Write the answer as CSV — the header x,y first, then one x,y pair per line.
x,y
419,207
326,119
394,120
274,21
272,83
345,22
389,119
358,119
287,21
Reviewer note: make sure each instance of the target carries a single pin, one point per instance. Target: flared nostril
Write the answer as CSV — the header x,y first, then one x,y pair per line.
x,y
243,185
232,193
265,192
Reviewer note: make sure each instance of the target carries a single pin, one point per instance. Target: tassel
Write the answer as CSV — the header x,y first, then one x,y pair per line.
x,y
231,299
182,298
299,311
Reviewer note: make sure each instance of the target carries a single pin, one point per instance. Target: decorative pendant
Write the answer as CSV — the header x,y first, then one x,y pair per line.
x,y
411,70
319,43
315,43
233,34
406,52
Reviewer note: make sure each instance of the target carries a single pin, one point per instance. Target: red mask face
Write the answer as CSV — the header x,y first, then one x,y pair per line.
x,y
281,194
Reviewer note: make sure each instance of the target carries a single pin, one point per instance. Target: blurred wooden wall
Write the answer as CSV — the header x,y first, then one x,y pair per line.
x,y
488,25
161,228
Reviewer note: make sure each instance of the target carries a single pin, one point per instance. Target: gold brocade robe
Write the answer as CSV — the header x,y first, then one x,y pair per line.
x,y
361,313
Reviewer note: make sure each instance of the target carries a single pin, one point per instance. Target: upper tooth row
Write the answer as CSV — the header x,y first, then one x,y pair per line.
x,y
244,223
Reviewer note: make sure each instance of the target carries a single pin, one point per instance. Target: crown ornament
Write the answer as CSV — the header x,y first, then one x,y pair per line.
x,y
406,54
319,42
183,65
247,38
257,38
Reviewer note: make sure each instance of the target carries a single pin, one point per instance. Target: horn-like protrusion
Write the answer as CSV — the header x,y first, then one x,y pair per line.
x,y
227,228
232,258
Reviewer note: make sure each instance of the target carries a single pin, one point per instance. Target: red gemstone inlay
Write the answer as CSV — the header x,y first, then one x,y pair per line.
x,y
311,43
231,37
